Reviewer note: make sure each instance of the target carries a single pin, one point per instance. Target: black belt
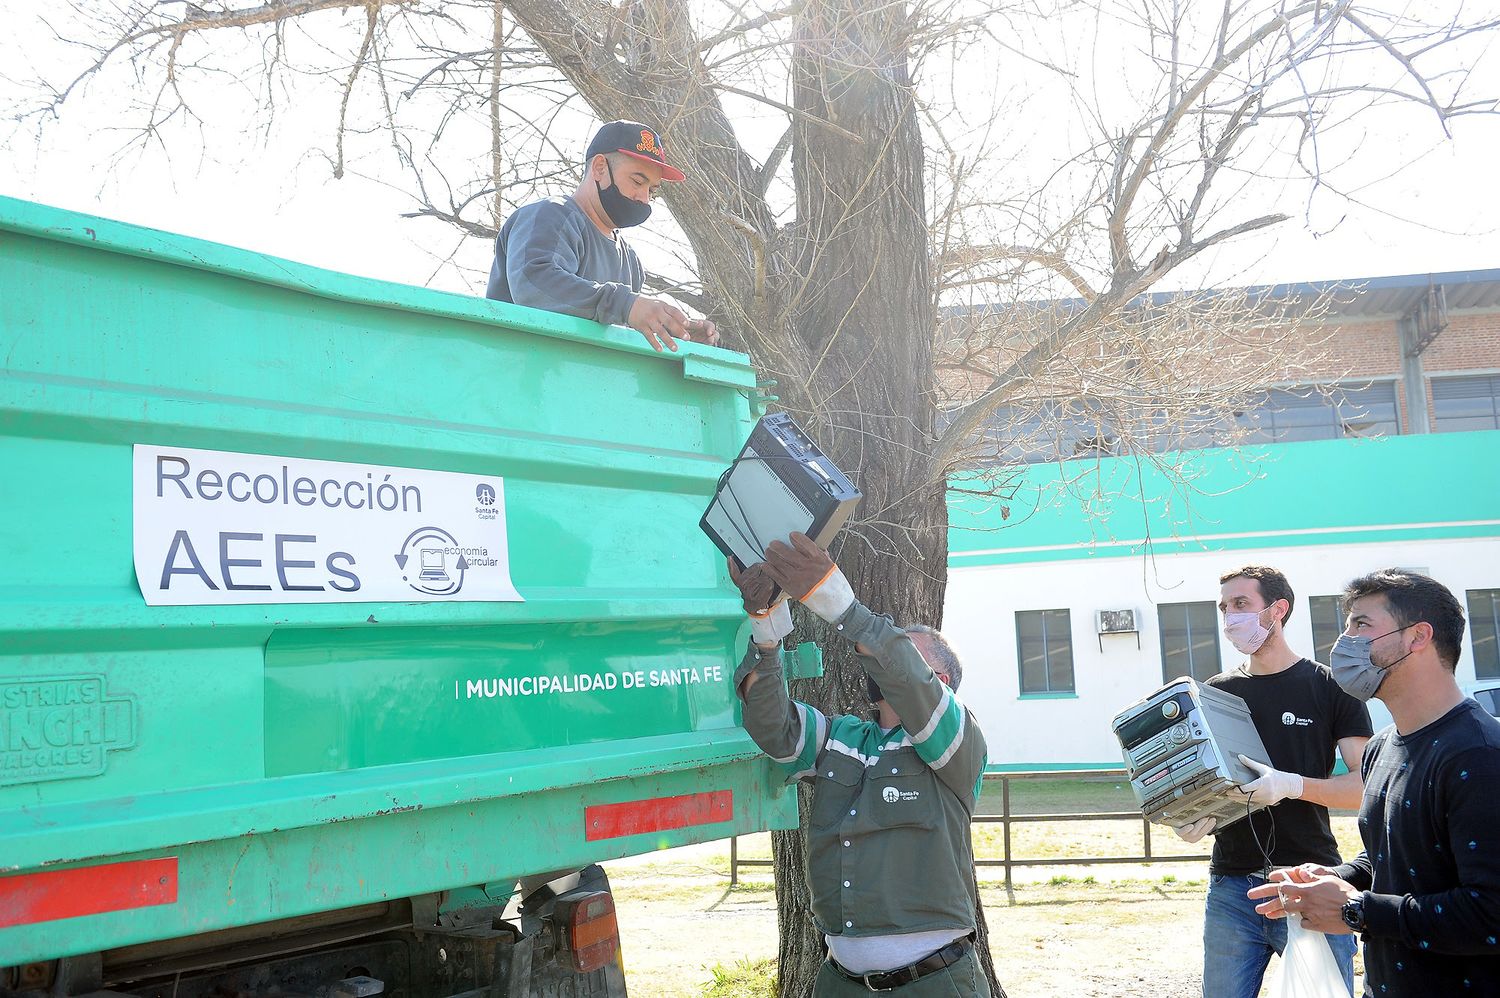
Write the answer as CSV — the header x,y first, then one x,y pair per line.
x,y
889,980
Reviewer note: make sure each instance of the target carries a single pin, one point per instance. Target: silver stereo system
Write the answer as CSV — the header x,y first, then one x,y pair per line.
x,y
1182,747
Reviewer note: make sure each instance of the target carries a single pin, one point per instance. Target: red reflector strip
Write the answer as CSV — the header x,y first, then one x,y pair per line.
x,y
608,821
28,898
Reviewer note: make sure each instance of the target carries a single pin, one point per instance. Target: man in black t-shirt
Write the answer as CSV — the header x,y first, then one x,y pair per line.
x,y
1425,893
1302,717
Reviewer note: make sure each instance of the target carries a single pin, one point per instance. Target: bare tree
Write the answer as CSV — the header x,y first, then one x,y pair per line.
x,y
852,174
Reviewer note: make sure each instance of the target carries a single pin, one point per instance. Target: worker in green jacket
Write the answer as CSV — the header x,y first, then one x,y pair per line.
x,y
889,860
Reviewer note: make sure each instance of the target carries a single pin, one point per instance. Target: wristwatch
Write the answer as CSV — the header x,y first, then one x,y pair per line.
x,y
1353,913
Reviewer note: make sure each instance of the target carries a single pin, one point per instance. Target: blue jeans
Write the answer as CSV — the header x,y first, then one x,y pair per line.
x,y
1238,943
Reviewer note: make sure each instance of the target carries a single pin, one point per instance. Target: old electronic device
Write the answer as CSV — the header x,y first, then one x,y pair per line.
x,y
1182,746
781,482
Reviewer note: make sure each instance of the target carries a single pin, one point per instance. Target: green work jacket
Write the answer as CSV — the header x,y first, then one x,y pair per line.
x,y
888,848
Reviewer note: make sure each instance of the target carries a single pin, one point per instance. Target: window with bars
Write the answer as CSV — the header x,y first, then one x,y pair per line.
x,y
1189,640
1467,403
1327,624
1484,623
1044,647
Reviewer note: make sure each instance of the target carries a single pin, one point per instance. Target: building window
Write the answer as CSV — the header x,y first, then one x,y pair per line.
x,y
1328,624
1063,429
1189,640
1052,430
1044,645
1471,403
1484,622
1489,700
1308,412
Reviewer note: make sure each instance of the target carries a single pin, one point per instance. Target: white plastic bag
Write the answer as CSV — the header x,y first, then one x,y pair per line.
x,y
1308,969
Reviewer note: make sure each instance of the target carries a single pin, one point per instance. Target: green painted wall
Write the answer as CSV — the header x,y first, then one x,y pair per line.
x,y
1442,485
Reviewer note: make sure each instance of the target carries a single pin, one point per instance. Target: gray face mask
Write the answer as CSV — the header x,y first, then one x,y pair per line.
x,y
1352,668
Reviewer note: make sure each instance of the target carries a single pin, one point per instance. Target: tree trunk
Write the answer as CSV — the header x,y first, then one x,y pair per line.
x,y
864,308
838,305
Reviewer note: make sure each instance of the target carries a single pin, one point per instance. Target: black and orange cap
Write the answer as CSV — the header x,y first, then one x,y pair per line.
x,y
633,139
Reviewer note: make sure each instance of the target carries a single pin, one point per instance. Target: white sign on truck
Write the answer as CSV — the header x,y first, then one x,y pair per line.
x,y
214,527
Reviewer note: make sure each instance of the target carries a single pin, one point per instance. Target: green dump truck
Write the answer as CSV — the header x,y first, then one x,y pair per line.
x,y
345,626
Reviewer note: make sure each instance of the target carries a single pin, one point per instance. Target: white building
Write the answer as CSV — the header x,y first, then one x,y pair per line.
x,y
1030,579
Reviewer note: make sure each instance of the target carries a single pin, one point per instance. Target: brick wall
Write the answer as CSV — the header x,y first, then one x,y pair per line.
x,y
1353,351
1361,350
1471,342
1372,350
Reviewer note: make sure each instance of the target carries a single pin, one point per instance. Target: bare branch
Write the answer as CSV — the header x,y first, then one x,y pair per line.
x,y
838,130
968,257
773,162
372,16
1421,81
1243,228
476,229
744,28
1125,198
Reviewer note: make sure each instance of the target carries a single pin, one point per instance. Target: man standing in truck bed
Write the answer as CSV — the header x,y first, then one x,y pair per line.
x,y
566,254
889,859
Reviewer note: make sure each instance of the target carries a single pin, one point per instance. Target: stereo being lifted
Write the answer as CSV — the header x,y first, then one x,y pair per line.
x,y
780,483
1182,747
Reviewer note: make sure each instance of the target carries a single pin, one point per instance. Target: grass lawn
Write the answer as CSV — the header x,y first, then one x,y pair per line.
x,y
1058,796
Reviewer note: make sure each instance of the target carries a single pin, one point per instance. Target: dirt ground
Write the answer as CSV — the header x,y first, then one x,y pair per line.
x,y
1070,939
1063,932
1109,938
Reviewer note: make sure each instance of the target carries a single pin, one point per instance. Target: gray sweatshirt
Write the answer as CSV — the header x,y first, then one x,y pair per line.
x,y
550,256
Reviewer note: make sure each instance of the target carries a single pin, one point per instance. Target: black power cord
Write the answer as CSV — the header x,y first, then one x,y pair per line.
x,y
1270,844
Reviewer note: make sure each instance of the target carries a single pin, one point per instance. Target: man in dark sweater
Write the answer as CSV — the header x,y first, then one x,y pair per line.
x,y
1425,893
565,254
1303,718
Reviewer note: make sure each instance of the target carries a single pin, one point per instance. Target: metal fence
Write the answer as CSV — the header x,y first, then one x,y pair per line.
x,y
1007,819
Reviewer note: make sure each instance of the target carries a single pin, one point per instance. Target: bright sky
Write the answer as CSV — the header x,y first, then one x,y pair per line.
x,y
222,180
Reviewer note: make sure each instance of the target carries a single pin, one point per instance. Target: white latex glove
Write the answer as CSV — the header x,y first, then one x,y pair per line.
x,y
803,567
1195,831
831,597
773,625
1273,785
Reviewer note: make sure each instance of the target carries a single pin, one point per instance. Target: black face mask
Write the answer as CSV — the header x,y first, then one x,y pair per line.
x,y
623,211
872,690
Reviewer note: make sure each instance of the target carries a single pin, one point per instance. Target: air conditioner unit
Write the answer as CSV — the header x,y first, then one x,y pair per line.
x,y
1116,622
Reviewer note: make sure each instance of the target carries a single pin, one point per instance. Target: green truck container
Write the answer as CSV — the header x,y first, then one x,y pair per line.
x,y
345,626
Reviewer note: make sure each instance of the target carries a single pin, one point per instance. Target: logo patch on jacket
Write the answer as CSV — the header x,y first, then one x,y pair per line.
x,y
891,795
